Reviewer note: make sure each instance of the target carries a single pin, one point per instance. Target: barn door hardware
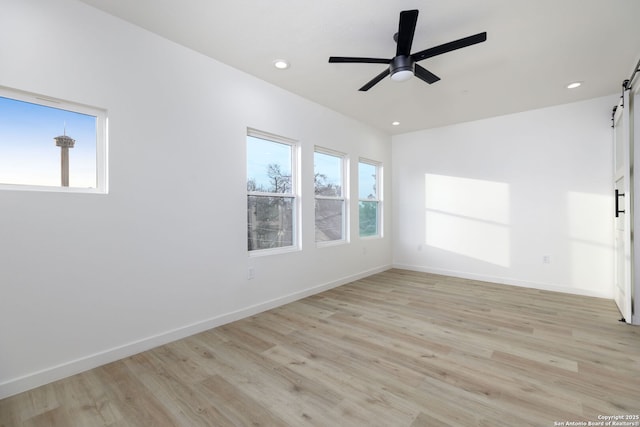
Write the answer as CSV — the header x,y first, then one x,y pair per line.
x,y
618,210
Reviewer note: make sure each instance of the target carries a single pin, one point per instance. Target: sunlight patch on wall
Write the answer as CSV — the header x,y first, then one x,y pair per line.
x,y
590,217
590,231
469,217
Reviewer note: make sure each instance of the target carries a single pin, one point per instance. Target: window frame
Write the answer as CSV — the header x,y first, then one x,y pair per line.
x,y
294,194
101,165
344,184
378,198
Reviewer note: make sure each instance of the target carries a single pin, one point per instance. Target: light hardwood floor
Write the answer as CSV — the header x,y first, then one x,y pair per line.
x,y
398,348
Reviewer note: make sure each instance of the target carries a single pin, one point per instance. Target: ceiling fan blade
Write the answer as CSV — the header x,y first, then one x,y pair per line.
x,y
424,74
448,47
345,59
375,80
406,29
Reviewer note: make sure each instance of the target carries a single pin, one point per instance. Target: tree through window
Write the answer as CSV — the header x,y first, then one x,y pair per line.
x,y
271,192
330,205
369,180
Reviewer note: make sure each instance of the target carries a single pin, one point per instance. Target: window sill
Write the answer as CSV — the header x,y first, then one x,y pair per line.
x,y
330,243
273,251
47,189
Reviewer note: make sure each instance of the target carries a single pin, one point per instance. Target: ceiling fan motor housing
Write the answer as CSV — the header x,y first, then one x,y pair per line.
x,y
401,68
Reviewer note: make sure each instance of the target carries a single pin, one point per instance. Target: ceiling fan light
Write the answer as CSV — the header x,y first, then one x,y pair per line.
x,y
401,68
401,75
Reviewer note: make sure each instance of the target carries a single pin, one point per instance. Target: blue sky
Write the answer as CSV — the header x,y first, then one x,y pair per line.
x,y
261,153
330,166
366,180
28,154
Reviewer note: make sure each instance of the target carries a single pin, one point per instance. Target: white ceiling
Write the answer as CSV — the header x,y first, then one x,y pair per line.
x,y
534,48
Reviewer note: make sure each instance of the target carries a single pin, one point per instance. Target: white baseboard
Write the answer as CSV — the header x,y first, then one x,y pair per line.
x,y
72,367
505,281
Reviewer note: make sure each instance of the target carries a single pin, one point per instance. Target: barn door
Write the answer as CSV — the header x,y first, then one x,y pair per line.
x,y
622,201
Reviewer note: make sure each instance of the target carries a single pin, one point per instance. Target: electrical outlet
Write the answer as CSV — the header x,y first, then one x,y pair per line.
x,y
546,259
251,273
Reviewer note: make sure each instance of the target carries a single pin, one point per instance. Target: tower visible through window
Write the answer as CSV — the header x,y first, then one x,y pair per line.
x,y
47,143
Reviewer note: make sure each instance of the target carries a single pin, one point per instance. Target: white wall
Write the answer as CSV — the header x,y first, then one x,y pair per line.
x,y
491,199
86,279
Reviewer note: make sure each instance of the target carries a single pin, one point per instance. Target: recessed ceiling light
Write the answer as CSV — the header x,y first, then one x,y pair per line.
x,y
574,85
281,64
395,123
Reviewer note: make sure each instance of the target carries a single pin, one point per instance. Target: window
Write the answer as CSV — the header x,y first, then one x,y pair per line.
x,y
330,202
50,144
271,192
370,200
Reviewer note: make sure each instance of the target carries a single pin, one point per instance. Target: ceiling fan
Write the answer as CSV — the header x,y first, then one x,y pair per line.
x,y
404,64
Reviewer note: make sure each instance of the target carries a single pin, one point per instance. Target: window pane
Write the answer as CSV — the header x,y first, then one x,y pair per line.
x,y
268,166
329,219
328,175
368,218
367,180
29,154
270,222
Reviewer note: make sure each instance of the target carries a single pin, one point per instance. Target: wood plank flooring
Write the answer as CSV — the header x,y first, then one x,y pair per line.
x,y
398,348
